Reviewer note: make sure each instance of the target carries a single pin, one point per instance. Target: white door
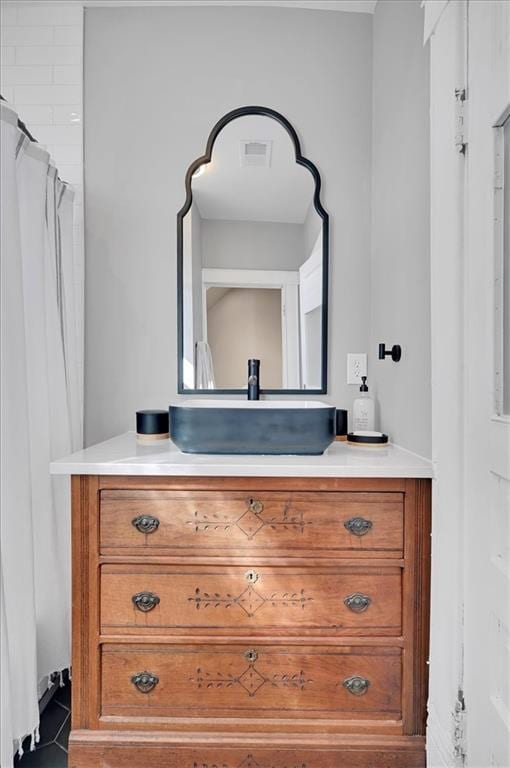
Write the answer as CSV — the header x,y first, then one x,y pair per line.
x,y
487,412
445,743
469,705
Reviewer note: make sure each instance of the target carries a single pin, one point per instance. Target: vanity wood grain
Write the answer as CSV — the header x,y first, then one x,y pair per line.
x,y
201,522
207,680
263,600
257,684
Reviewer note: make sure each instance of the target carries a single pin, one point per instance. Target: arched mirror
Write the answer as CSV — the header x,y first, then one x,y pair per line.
x,y
252,262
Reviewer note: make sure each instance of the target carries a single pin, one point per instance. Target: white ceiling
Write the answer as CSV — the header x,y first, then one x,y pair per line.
x,y
352,6
227,190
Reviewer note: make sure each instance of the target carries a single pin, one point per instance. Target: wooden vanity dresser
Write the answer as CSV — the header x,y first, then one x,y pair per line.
x,y
249,622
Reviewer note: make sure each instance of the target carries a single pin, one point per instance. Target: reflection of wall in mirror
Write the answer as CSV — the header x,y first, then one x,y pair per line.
x,y
192,292
188,345
196,249
312,362
252,245
310,300
312,227
246,323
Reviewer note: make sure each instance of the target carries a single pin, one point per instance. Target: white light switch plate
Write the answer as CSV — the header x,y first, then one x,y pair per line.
x,y
356,367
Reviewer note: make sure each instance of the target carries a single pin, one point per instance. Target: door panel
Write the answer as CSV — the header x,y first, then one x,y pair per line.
x,y
487,437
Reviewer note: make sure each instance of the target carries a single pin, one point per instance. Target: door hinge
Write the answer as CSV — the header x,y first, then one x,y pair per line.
x,y
459,729
461,120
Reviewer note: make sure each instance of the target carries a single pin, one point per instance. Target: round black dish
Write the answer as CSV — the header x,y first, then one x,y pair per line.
x,y
381,439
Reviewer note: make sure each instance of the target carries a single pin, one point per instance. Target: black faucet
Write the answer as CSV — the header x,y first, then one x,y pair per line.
x,y
253,380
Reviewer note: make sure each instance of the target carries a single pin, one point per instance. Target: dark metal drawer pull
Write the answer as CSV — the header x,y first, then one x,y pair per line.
x,y
358,526
356,685
145,601
145,523
145,681
357,602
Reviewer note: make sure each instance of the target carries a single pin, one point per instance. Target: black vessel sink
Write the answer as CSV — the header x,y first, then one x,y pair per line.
x,y
290,427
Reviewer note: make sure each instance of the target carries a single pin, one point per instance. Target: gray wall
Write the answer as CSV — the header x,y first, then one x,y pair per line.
x,y
311,228
252,245
156,81
400,262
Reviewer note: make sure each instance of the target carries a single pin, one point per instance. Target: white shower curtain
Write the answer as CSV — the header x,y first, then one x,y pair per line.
x,y
41,419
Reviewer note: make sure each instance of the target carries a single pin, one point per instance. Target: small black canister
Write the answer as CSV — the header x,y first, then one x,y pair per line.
x,y
152,425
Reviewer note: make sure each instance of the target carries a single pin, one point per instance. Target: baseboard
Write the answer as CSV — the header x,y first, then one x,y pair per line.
x,y
439,745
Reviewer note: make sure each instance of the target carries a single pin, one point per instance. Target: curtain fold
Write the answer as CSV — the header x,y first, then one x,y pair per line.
x,y
20,714
41,420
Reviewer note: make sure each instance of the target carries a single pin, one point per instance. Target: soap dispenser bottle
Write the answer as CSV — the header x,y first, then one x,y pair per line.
x,y
363,409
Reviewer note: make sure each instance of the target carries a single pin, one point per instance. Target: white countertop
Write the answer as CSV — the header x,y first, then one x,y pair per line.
x,y
125,455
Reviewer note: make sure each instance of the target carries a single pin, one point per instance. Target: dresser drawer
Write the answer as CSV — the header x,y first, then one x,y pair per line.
x,y
341,600
254,680
103,750
200,523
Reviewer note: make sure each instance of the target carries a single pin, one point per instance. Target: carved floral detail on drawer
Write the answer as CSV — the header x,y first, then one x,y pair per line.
x,y
250,600
248,762
251,680
251,521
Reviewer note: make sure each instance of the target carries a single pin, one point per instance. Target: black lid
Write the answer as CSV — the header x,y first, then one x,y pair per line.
x,y
363,387
153,422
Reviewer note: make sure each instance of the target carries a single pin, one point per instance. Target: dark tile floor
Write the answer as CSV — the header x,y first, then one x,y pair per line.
x,y
51,752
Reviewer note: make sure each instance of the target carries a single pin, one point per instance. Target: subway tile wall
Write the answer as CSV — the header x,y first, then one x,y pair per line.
x,y
41,76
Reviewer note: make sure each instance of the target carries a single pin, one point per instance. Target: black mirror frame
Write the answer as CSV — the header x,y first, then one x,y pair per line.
x,y
206,158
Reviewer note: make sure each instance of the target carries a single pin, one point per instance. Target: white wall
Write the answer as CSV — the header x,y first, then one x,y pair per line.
x,y
400,261
156,81
252,245
41,76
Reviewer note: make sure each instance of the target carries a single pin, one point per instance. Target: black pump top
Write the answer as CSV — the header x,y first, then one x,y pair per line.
x,y
363,387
